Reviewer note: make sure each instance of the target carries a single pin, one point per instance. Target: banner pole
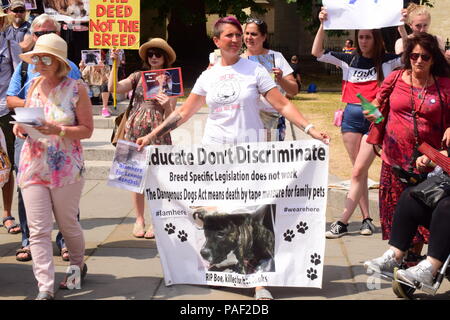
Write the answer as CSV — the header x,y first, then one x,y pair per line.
x,y
115,83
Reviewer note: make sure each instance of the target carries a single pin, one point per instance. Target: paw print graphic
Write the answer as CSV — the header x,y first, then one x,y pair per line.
x,y
302,227
170,228
289,235
315,258
182,236
311,273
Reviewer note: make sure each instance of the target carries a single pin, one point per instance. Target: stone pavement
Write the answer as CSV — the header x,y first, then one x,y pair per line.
x,y
124,268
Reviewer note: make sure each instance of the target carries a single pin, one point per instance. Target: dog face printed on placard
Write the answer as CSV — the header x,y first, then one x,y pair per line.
x,y
242,241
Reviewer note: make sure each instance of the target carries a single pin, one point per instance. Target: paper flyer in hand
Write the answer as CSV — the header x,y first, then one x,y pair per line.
x,y
28,118
129,167
167,81
266,60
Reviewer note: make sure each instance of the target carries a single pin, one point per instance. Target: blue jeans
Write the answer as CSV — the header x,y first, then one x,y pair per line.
x,y
353,120
21,206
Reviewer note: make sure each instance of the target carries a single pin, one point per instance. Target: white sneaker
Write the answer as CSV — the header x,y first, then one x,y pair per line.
x,y
422,272
384,264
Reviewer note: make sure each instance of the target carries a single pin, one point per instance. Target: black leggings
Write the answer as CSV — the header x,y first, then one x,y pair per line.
x,y
410,213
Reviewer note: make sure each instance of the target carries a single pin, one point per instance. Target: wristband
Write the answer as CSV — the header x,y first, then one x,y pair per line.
x,y
308,127
62,133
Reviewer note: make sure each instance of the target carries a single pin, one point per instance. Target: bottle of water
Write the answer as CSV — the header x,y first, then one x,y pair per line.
x,y
366,105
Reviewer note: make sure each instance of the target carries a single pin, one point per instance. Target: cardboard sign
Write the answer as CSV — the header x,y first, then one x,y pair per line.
x,y
74,11
91,57
362,14
114,24
167,81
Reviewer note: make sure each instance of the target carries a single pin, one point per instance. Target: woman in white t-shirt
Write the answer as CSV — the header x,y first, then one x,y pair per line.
x,y
255,39
231,89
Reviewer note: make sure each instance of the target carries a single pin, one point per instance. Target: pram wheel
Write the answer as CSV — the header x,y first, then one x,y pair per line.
x,y
402,290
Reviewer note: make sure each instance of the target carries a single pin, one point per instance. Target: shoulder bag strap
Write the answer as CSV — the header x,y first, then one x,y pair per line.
x,y
31,89
134,83
443,113
10,56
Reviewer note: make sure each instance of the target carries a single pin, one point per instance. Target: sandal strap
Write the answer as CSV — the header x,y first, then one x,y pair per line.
x,y
8,218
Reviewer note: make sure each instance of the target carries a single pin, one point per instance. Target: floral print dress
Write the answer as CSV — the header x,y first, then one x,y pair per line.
x,y
53,161
144,115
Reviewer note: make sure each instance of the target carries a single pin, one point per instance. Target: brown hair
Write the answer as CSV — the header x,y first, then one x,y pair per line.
x,y
166,63
378,52
428,42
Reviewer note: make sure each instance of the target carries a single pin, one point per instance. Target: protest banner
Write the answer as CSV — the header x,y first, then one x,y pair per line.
x,y
30,4
91,57
240,215
129,167
70,11
362,14
167,81
114,24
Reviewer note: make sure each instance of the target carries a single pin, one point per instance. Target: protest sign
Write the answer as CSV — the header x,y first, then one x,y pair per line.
x,y
91,57
30,4
167,81
240,215
71,11
266,60
114,24
362,14
129,167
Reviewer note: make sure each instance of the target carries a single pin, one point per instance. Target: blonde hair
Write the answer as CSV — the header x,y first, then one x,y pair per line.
x,y
63,68
5,22
415,10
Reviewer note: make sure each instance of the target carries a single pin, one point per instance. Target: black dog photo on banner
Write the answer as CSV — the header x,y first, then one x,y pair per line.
x,y
91,57
241,241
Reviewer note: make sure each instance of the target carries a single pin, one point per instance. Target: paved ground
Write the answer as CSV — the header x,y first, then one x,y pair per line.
x,y
122,267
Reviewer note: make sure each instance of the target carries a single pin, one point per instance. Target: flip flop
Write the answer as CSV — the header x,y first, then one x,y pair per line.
x,y
14,225
263,294
149,234
138,230
25,258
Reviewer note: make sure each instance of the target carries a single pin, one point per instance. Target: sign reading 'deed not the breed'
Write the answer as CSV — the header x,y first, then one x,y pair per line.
x,y
241,215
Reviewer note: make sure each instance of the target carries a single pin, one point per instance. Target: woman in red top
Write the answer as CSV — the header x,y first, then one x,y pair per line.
x,y
423,87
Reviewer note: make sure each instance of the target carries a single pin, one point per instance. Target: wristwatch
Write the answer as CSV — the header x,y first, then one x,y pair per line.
x,y
62,133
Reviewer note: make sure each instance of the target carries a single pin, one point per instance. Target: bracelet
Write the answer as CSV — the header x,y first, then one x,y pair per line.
x,y
308,127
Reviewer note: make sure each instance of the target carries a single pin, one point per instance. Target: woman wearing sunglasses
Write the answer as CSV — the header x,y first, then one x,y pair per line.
x,y
146,115
423,89
362,72
256,42
231,89
51,169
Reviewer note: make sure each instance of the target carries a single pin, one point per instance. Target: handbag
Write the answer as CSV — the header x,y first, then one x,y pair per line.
x,y
338,115
120,122
377,130
432,190
5,163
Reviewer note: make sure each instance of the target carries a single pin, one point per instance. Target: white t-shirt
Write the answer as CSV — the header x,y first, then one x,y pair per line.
x,y
281,63
232,95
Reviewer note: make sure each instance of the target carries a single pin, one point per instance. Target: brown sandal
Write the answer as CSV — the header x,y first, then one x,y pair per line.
x,y
25,250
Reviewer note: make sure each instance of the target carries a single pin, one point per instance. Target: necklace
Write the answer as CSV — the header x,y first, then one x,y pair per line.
x,y
422,92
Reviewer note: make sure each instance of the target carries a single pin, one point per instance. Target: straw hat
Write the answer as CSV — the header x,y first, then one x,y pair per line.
x,y
50,44
157,43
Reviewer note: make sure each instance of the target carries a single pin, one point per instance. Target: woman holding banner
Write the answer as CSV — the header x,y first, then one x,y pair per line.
x,y
363,72
231,89
146,115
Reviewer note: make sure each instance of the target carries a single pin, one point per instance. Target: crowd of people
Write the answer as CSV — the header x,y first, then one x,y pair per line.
x,y
50,171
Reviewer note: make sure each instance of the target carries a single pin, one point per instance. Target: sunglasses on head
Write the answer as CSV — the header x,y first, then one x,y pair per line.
x,y
151,53
415,56
18,10
254,20
41,33
47,60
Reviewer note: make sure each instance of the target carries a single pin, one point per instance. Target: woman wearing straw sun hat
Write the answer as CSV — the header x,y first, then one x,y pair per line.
x,y
146,115
51,168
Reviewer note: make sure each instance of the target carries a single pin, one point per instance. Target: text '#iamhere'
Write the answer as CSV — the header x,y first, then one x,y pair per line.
x,y
238,155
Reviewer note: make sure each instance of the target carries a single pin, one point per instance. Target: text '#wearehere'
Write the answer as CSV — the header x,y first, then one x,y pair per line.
x,y
238,155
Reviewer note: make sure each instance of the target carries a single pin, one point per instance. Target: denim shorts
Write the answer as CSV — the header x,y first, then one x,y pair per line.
x,y
353,120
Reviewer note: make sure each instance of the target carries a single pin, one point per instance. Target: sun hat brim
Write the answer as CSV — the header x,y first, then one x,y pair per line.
x,y
160,44
27,57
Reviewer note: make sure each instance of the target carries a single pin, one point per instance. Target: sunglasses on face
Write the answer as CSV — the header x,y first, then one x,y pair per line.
x,y
18,10
254,20
46,60
41,33
152,53
415,56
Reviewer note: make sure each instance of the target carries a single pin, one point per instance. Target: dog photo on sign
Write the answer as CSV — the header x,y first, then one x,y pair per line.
x,y
241,240
91,57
